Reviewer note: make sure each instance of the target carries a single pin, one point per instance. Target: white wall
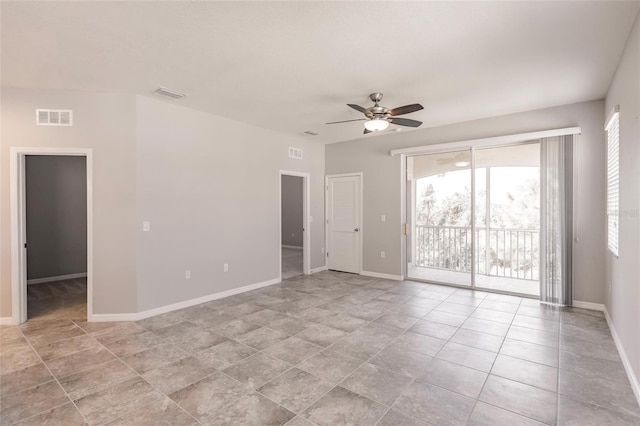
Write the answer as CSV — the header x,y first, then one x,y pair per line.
x,y
382,180
210,188
623,273
106,123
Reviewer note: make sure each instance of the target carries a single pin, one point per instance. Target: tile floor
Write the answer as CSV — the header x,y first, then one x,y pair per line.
x,y
291,263
57,300
326,349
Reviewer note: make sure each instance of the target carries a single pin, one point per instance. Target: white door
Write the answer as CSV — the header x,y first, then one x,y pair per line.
x,y
343,223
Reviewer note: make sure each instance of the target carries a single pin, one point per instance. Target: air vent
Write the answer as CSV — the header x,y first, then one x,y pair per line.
x,y
295,153
163,91
310,133
54,117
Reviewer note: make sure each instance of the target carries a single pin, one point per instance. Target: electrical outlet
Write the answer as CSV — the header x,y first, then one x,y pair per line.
x,y
187,275
225,267
321,250
293,235
382,255
383,218
146,226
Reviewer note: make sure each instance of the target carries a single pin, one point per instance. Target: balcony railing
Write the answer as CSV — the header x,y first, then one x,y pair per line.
x,y
511,253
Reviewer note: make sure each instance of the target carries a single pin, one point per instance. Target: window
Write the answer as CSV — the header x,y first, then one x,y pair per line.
x,y
613,181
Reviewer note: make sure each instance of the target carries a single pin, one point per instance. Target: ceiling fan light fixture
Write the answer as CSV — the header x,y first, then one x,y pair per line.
x,y
376,124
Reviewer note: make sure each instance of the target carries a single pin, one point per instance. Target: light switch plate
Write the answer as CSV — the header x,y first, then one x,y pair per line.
x,y
383,218
146,226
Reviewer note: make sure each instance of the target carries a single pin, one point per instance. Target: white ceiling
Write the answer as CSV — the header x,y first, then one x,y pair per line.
x,y
292,66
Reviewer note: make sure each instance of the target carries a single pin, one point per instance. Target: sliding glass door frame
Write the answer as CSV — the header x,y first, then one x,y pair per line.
x,y
474,243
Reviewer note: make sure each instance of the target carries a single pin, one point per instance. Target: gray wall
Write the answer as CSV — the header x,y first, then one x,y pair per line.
x,y
106,123
382,180
56,195
292,210
623,273
210,188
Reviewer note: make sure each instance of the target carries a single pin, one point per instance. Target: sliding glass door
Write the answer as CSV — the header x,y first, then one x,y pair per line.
x,y
496,247
439,219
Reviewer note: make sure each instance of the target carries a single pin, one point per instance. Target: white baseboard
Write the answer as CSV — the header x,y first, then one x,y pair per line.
x,y
180,305
320,269
6,321
588,305
58,278
292,247
112,317
384,276
635,385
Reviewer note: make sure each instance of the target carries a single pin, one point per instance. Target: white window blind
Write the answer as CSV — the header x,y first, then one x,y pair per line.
x,y
613,182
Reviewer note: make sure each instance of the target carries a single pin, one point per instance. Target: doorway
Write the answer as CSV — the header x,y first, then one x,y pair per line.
x,y
344,222
51,233
56,231
474,218
294,224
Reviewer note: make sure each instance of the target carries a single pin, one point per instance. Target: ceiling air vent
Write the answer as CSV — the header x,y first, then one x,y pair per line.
x,y
295,153
163,91
54,117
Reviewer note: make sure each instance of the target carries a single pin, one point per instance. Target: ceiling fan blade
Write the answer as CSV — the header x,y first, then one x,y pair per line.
x,y
358,108
345,121
406,122
405,109
367,131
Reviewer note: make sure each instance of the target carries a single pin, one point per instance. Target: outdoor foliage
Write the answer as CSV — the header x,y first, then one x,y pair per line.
x,y
443,223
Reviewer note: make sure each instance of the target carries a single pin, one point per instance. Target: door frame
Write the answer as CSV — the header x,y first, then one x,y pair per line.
x,y
326,214
17,203
306,220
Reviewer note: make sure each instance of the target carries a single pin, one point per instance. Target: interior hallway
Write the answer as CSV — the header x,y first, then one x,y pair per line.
x,y
292,263
65,299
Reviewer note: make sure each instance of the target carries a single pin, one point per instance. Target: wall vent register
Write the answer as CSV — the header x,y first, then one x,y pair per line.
x,y
54,117
295,153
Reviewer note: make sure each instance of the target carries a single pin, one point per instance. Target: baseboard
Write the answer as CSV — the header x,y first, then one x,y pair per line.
x,y
112,317
588,305
180,305
57,278
320,269
384,276
6,321
635,385
292,247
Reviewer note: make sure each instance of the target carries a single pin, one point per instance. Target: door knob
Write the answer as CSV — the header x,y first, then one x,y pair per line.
x,y
356,229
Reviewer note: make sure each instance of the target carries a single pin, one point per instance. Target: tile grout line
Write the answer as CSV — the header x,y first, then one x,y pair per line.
x,y
52,375
140,376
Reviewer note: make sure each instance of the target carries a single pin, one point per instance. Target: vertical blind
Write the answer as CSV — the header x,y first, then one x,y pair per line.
x,y
613,182
556,221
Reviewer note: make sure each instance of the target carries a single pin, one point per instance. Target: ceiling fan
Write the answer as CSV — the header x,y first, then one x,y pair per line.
x,y
379,117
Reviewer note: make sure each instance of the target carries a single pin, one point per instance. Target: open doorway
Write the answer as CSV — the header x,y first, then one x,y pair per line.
x,y
51,226
294,224
56,236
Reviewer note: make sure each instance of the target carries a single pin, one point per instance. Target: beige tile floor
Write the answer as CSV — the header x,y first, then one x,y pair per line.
x,y
326,349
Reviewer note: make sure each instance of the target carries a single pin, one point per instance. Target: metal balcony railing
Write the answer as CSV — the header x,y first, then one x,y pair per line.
x,y
511,253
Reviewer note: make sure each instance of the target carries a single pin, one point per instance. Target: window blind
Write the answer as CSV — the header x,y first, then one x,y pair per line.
x,y
613,182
